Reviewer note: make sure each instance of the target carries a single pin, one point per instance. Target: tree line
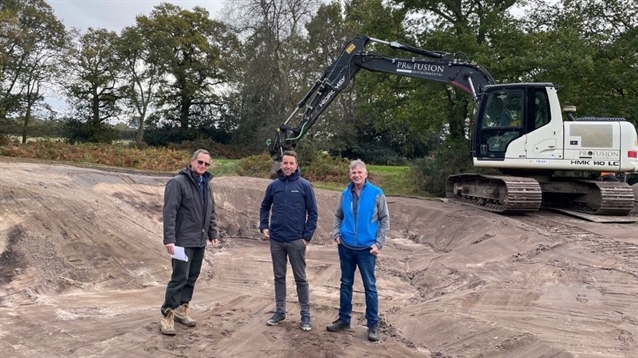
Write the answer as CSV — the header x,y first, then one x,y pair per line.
x,y
177,75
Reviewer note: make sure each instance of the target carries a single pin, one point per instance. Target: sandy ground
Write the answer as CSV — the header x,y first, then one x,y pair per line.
x,y
83,272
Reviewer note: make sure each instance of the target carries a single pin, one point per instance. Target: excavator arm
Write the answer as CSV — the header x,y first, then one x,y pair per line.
x,y
428,65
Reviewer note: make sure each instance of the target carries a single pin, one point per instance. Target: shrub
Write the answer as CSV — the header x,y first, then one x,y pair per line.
x,y
76,131
255,166
326,168
429,174
4,140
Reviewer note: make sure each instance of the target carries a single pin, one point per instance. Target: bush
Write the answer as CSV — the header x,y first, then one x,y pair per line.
x,y
255,166
217,150
4,140
430,174
374,154
76,131
326,168
163,136
321,167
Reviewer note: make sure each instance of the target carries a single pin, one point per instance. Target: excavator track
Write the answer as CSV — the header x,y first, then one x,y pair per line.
x,y
497,193
601,198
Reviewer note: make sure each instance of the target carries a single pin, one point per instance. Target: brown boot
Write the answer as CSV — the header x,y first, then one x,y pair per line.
x,y
167,325
182,315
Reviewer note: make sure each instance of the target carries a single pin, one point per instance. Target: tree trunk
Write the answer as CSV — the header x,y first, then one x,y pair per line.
x,y
140,129
96,107
27,118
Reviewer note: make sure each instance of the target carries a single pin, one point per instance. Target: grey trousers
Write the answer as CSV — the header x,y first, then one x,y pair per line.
x,y
296,252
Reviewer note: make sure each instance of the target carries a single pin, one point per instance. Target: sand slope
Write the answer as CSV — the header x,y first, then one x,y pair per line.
x,y
83,273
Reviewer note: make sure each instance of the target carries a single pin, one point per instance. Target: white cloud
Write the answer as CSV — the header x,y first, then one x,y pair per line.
x,y
113,15
116,14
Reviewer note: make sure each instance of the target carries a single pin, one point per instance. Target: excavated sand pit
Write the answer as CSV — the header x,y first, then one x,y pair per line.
x,y
83,273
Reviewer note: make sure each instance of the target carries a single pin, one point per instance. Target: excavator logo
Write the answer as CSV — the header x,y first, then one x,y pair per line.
x,y
598,153
423,68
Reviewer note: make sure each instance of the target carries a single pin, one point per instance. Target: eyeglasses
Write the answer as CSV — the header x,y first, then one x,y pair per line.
x,y
201,162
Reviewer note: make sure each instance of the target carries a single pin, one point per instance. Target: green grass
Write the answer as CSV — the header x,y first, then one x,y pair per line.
x,y
393,180
224,167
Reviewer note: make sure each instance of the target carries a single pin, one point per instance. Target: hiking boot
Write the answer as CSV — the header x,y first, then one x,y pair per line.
x,y
305,323
182,315
167,325
338,325
373,333
276,319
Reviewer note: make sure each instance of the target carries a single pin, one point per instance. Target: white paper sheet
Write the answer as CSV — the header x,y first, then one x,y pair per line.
x,y
179,254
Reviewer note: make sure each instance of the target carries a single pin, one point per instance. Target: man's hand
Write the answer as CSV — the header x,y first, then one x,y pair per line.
x,y
374,250
266,234
338,240
215,242
305,242
170,248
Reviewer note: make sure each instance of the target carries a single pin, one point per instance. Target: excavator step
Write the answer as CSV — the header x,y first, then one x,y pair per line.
x,y
496,193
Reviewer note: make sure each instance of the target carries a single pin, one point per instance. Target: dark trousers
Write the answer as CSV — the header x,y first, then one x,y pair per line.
x,y
350,260
182,284
296,252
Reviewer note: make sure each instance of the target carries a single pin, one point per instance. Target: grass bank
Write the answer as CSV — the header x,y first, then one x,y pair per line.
x,y
333,173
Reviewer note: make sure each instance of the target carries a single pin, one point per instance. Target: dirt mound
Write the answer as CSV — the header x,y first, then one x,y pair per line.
x,y
83,274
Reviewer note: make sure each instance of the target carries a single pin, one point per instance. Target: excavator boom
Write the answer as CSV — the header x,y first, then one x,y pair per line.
x,y
519,129
428,65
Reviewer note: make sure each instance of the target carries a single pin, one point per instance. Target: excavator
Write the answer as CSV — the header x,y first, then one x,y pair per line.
x,y
519,129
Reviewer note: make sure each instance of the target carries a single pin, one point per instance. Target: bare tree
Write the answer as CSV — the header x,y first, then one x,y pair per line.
x,y
273,32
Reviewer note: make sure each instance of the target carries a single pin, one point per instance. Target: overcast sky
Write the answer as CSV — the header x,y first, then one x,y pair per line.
x,y
116,14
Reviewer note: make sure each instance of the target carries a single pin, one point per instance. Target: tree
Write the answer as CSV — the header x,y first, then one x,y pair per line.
x,y
610,28
485,31
94,71
271,70
143,74
194,54
588,49
8,43
34,39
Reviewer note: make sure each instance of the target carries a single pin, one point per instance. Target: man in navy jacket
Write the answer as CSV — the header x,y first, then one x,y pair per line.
x,y
288,218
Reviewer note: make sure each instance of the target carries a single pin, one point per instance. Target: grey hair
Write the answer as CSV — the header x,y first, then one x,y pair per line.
x,y
198,152
358,163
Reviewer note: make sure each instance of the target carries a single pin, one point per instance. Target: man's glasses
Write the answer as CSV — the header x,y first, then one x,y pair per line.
x,y
201,162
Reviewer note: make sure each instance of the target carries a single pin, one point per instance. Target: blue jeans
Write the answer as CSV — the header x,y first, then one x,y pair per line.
x,y
350,260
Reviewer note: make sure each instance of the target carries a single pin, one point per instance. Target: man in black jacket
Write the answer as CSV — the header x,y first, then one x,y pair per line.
x,y
189,221
290,205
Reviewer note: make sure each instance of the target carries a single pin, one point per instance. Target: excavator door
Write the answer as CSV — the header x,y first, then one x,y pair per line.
x,y
500,121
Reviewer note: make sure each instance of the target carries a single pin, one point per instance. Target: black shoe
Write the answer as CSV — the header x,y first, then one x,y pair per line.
x,y
305,323
338,325
373,333
276,319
